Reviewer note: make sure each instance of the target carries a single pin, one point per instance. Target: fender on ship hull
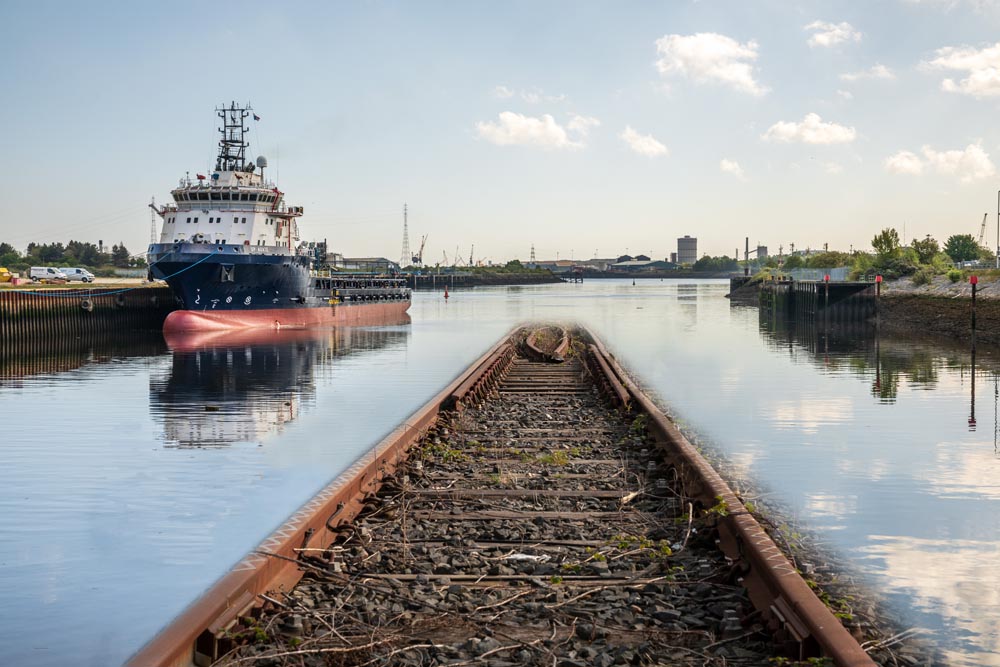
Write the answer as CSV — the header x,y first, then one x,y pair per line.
x,y
362,314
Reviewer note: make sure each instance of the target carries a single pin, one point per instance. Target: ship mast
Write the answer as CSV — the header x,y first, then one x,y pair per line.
x,y
232,147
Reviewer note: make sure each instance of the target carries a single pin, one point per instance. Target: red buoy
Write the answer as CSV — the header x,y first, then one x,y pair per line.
x,y
446,292
973,280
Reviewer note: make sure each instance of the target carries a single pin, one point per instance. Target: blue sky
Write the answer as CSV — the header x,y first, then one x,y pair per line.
x,y
576,127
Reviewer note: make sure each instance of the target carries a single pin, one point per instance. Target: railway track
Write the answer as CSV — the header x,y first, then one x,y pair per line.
x,y
545,515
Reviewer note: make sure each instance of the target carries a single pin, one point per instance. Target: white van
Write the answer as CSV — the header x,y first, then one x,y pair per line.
x,y
37,273
79,274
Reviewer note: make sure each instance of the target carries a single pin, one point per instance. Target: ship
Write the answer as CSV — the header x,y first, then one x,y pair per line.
x,y
229,249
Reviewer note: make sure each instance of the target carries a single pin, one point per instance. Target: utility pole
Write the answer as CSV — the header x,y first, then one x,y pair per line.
x,y
405,259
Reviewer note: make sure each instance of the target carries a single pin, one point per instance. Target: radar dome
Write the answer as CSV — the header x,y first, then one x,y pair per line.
x,y
261,161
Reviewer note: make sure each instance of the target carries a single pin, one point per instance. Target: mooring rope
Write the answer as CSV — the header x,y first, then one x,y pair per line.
x,y
87,293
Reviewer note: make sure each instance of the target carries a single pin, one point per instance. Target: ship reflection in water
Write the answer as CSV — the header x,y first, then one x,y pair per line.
x,y
228,387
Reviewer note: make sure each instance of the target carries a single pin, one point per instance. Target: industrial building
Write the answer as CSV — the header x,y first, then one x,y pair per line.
x,y
687,250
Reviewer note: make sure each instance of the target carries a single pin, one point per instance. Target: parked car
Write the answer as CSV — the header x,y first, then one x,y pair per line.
x,y
37,273
79,274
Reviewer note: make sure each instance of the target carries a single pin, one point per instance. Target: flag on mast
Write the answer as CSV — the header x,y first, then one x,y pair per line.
x,y
256,117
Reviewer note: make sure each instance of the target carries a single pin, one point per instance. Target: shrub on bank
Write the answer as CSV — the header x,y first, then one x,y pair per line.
x,y
954,275
925,276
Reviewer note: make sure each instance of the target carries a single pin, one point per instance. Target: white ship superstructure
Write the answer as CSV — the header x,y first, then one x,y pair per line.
x,y
233,205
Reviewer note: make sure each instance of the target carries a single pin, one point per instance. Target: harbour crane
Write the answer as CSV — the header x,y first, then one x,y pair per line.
x,y
982,229
418,258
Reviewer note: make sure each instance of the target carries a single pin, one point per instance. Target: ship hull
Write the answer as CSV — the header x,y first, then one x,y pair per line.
x,y
361,314
234,287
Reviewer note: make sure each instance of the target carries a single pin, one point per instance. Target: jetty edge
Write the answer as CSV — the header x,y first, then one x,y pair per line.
x,y
795,617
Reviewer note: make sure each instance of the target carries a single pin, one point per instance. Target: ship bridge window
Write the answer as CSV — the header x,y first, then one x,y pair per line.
x,y
244,221
216,196
196,220
189,220
225,196
243,197
253,197
202,196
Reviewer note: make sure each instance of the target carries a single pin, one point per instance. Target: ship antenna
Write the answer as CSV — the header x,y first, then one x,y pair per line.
x,y
152,220
405,260
232,147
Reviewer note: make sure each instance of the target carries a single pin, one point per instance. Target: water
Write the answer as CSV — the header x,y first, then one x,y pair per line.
x,y
133,474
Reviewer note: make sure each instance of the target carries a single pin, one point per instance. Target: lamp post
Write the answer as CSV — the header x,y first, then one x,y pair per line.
x,y
998,229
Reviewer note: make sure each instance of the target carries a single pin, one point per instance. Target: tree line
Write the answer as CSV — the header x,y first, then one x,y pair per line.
x,y
74,253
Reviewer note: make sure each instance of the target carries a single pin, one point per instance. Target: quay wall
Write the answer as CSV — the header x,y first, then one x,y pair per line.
x,y
28,316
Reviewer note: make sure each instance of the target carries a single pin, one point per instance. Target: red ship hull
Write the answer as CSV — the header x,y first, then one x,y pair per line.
x,y
363,314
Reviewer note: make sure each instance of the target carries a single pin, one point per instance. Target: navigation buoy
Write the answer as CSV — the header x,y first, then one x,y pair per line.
x,y
446,292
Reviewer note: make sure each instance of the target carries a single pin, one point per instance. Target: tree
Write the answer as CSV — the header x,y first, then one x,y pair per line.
x,y
793,262
886,242
926,249
961,248
723,263
120,256
828,260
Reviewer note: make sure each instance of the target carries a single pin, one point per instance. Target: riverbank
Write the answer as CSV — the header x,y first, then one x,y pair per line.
x,y
941,307
479,279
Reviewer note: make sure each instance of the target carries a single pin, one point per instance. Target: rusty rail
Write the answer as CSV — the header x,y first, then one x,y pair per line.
x,y
198,635
557,355
793,611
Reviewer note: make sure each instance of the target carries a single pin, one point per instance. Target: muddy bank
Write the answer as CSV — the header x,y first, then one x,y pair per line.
x,y
949,316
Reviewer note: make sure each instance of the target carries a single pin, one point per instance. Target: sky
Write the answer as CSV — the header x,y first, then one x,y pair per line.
x,y
579,128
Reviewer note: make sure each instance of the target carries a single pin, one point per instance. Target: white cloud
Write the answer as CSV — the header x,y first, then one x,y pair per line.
x,y
516,129
968,165
532,96
831,34
971,164
731,167
845,94
833,168
812,130
710,58
981,67
875,72
904,162
643,144
582,124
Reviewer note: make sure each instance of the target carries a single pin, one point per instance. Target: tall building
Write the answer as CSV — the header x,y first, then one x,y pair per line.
x,y
687,250
762,252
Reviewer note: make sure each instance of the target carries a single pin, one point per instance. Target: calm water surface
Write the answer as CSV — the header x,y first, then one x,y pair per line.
x,y
133,473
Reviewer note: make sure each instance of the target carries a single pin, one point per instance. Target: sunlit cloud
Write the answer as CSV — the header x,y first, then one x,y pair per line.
x,y
874,72
582,124
733,167
514,129
831,34
969,165
981,68
811,130
710,58
643,144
